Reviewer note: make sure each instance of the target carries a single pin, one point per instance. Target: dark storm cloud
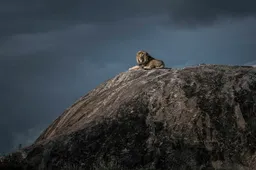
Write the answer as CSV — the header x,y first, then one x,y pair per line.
x,y
71,45
185,12
40,15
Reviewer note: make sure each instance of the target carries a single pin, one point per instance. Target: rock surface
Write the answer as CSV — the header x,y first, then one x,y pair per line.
x,y
201,117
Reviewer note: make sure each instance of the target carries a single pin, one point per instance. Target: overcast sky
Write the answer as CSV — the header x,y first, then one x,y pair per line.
x,y
54,51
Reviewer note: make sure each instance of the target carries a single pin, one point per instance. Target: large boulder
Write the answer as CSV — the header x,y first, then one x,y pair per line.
x,y
201,117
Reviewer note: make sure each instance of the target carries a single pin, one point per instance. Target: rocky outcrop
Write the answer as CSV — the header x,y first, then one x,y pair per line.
x,y
201,117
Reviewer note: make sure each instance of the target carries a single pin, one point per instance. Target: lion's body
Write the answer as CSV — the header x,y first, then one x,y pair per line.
x,y
154,64
146,61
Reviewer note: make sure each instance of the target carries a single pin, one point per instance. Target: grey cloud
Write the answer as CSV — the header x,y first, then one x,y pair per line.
x,y
251,63
187,12
42,15
77,41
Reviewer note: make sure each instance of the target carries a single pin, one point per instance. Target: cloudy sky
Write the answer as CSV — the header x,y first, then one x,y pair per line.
x,y
54,51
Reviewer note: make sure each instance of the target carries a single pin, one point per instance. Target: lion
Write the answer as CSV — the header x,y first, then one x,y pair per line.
x,y
147,62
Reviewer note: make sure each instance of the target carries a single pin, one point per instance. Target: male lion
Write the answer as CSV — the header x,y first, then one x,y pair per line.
x,y
147,62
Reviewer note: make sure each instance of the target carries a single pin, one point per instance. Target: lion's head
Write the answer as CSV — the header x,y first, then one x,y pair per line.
x,y
143,57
